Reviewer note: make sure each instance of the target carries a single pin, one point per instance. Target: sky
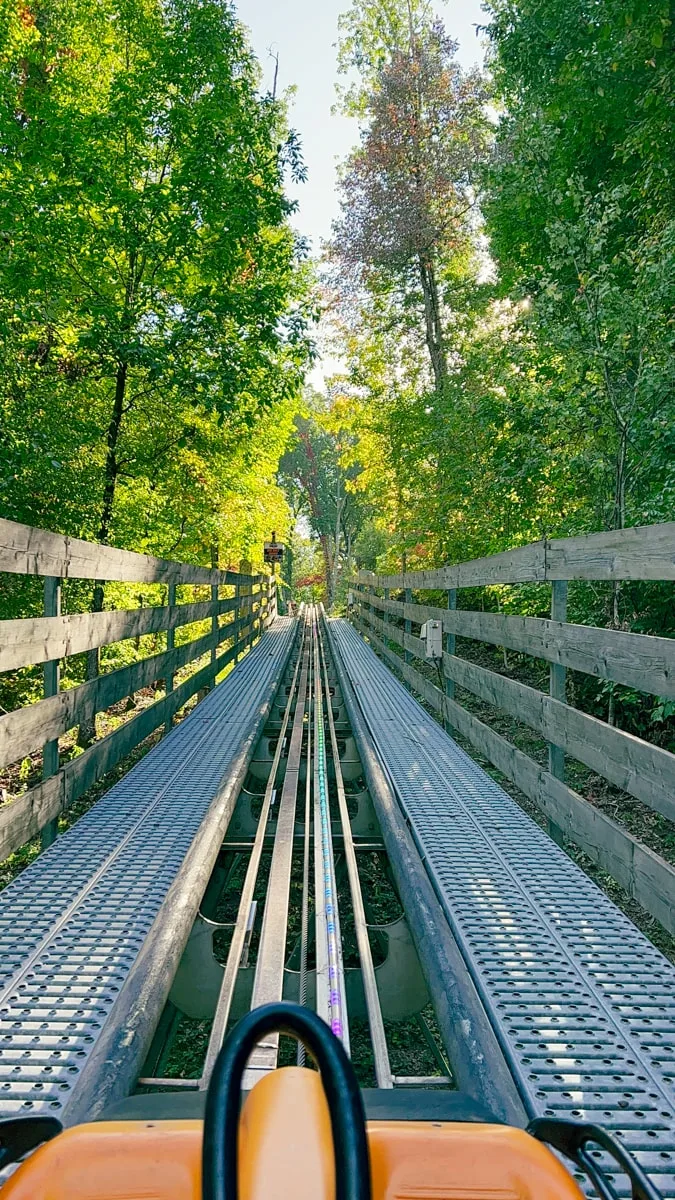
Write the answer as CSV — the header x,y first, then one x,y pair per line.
x,y
303,33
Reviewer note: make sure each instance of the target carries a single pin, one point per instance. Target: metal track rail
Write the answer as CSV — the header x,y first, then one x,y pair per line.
x,y
582,1004
236,949
306,850
309,705
478,1064
269,976
91,934
330,983
383,1073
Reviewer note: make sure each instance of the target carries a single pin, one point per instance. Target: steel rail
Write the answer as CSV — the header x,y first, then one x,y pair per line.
x,y
306,847
268,984
321,948
378,1038
328,921
236,949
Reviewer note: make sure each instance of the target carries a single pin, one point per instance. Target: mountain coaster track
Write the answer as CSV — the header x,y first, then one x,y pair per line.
x,y
309,760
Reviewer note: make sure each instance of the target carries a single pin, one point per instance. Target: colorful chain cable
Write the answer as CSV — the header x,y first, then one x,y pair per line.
x,y
336,1001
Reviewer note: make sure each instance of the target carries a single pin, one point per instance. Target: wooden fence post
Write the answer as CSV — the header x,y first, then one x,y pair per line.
x,y
50,751
450,646
170,645
387,616
258,623
237,618
371,607
215,596
408,624
214,624
246,591
264,604
558,690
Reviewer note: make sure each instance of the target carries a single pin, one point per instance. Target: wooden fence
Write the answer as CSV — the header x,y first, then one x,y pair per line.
x,y
637,660
250,607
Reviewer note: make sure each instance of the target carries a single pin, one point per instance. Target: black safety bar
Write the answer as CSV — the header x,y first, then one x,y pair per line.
x,y
343,1095
573,1139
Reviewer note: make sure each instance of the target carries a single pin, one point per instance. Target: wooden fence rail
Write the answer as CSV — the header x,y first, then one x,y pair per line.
x,y
28,551
644,552
55,636
636,766
43,639
636,660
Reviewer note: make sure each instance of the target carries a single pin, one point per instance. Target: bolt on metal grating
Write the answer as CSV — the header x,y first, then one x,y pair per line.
x,y
582,1003
73,924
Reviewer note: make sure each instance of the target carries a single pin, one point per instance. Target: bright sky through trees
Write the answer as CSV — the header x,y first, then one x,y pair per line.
x,y
303,33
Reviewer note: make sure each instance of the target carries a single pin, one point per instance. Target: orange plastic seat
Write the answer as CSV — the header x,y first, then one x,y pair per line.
x,y
286,1153
463,1162
116,1160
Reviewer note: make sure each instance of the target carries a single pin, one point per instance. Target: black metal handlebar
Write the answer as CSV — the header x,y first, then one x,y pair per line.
x,y
573,1138
345,1105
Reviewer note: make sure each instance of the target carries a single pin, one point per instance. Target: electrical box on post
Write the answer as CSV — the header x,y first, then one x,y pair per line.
x,y
350,599
431,634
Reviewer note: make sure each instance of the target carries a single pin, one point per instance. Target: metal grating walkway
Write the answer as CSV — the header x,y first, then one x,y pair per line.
x,y
74,923
582,1003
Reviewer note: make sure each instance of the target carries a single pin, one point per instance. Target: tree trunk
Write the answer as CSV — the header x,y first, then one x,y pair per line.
x,y
111,464
348,540
432,321
339,504
87,729
328,565
618,523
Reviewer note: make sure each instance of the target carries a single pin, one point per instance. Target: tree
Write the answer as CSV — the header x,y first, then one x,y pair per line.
x,y
153,302
372,32
312,472
146,257
555,413
580,218
407,192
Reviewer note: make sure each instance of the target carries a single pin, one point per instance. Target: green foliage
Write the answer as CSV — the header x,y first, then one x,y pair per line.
x,y
370,35
319,482
402,248
309,580
580,215
557,413
153,301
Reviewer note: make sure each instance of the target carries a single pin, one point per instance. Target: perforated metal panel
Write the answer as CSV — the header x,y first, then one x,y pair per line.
x,y
73,923
582,1003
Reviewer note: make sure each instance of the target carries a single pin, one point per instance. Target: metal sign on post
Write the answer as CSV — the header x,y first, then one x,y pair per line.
x,y
273,552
